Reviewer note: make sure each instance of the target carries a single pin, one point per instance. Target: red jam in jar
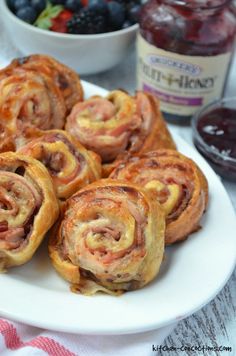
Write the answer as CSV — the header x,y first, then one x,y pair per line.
x,y
215,136
184,53
218,129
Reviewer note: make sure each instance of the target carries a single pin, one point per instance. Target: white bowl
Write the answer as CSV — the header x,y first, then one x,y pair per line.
x,y
87,54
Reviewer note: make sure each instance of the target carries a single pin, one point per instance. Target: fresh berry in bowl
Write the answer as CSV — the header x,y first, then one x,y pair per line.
x,y
88,21
89,36
77,16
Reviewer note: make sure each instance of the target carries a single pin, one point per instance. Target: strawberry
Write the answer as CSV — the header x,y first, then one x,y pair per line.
x,y
59,23
84,2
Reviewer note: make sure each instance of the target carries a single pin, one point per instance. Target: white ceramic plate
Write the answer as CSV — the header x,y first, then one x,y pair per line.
x,y
192,274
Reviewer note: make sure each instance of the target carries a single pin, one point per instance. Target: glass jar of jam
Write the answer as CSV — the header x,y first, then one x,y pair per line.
x,y
184,53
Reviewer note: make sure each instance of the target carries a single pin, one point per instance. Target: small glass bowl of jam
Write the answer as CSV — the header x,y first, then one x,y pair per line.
x,y
214,135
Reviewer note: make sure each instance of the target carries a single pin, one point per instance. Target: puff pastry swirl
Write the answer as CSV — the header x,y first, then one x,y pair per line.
x,y
176,182
64,78
28,100
69,164
110,238
28,207
119,124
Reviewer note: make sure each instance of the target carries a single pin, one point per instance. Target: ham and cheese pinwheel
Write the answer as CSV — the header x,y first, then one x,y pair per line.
x,y
176,182
7,142
69,164
119,124
29,100
28,207
65,79
110,238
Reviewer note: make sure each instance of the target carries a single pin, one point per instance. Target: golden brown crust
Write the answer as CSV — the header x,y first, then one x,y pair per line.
x,y
28,100
119,125
103,125
176,182
159,135
65,79
70,165
28,208
110,237
7,142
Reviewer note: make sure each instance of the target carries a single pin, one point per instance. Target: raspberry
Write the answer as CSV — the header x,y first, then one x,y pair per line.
x,y
59,23
87,21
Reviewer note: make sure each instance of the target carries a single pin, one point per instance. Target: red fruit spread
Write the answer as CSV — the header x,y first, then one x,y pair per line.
x,y
218,130
216,138
184,52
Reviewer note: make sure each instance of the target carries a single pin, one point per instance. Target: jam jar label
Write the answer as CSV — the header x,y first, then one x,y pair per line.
x,y
182,83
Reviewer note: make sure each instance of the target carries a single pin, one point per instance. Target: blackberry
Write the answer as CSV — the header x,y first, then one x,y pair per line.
x,y
87,21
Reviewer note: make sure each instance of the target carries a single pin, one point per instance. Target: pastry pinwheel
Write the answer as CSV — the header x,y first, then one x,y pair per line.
x,y
28,100
28,208
110,238
176,182
64,78
70,165
119,124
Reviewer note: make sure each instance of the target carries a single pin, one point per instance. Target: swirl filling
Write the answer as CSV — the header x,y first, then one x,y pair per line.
x,y
108,232
28,100
175,182
66,81
70,165
118,124
104,125
19,202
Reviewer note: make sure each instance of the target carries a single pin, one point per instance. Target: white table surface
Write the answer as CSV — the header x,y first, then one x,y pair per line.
x,y
215,324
